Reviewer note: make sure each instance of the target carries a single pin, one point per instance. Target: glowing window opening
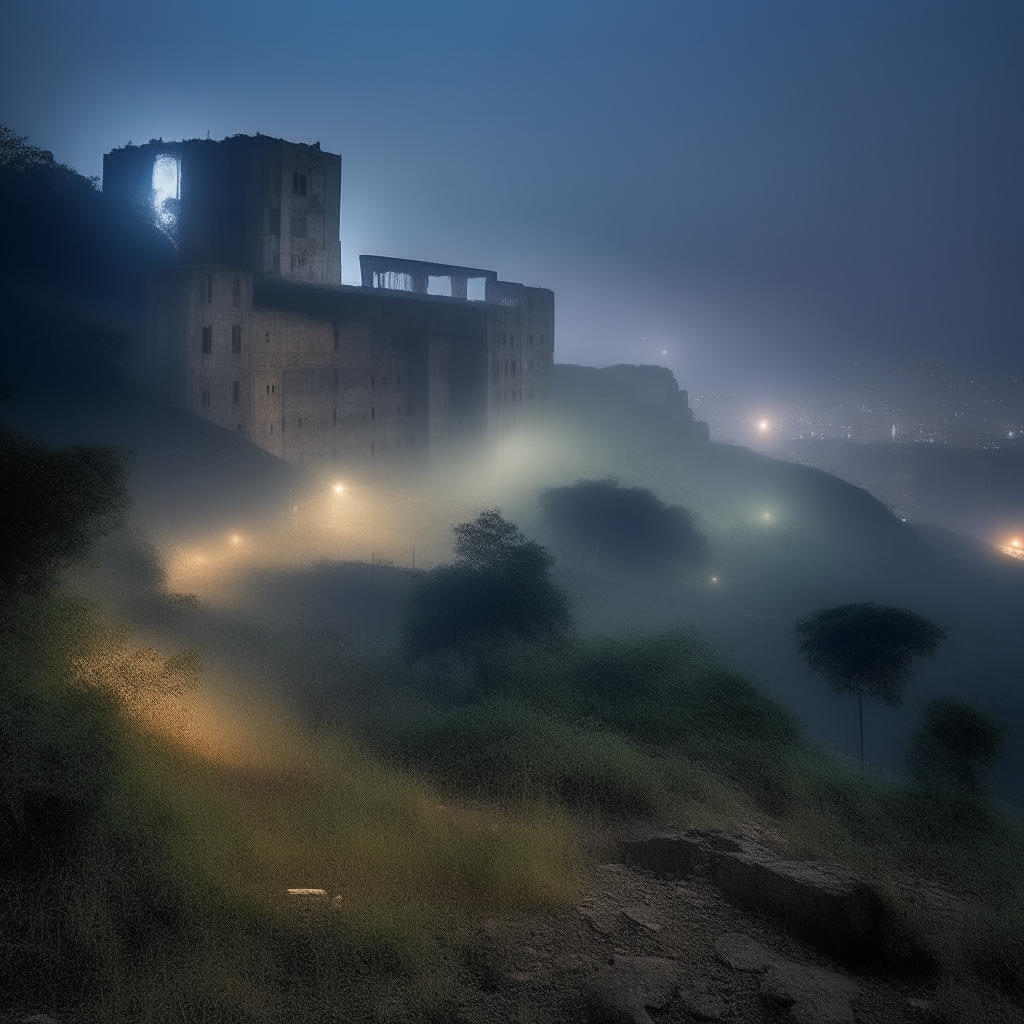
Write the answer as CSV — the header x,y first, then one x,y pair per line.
x,y
166,192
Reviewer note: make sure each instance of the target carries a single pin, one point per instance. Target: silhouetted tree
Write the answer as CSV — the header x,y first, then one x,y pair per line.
x,y
866,650
625,528
498,585
56,502
957,745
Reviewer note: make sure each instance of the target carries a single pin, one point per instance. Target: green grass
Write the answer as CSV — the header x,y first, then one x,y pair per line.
x,y
655,726
173,820
166,899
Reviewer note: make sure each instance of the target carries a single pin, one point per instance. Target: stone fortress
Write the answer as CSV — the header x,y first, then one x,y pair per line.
x,y
253,330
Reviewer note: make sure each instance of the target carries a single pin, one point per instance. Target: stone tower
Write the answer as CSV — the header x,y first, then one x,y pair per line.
x,y
264,205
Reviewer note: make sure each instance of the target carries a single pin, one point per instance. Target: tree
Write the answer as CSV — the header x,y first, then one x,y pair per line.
x,y
627,529
56,502
957,745
498,585
866,650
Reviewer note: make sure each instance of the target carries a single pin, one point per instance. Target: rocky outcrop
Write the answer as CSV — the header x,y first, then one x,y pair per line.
x,y
832,908
630,986
811,994
826,905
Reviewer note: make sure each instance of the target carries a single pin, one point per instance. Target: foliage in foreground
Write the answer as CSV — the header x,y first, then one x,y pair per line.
x,y
656,726
149,846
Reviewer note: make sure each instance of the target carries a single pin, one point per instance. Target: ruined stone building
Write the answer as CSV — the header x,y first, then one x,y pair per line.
x,y
253,330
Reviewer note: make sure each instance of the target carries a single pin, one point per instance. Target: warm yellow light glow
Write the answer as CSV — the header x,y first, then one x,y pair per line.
x,y
714,579
235,539
1013,547
763,425
338,488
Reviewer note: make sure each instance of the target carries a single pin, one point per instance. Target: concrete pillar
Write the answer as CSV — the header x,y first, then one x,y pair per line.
x,y
459,287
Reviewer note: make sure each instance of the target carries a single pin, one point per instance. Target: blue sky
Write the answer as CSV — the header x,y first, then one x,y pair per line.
x,y
761,191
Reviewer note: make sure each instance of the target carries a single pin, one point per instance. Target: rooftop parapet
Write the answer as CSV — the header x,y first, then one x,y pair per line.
x,y
395,274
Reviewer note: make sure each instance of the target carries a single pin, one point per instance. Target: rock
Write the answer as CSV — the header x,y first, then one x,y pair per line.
x,y
826,905
629,986
672,856
702,1002
814,995
603,921
742,953
639,916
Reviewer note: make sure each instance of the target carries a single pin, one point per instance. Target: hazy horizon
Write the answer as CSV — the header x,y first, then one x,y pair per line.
x,y
753,197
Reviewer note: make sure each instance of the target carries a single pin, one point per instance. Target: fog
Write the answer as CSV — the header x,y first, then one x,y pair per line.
x,y
376,721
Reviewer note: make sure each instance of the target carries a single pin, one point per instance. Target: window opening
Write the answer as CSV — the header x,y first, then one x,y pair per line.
x,y
207,340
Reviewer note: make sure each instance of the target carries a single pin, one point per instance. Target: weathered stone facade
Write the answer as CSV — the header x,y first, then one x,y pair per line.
x,y
253,330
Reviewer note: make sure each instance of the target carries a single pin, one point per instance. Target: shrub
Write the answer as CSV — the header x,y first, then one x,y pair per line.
x,y
622,529
499,585
957,745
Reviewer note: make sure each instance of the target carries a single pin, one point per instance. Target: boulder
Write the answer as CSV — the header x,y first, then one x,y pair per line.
x,y
742,953
679,854
669,856
813,995
630,985
828,906
702,1001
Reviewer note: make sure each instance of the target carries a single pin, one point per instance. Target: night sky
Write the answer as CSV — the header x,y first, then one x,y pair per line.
x,y
755,194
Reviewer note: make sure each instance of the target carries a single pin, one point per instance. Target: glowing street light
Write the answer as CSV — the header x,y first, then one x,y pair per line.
x,y
338,488
235,539
763,426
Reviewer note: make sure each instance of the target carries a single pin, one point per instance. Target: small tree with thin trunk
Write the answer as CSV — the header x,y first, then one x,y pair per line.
x,y
866,650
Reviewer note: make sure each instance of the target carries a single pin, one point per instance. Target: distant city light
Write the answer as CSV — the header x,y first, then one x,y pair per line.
x,y
1014,548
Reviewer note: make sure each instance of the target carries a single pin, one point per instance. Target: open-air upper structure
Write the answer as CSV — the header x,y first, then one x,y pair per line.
x,y
253,329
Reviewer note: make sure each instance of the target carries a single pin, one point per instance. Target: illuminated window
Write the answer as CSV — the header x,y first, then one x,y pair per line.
x,y
166,184
207,340
236,339
298,184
